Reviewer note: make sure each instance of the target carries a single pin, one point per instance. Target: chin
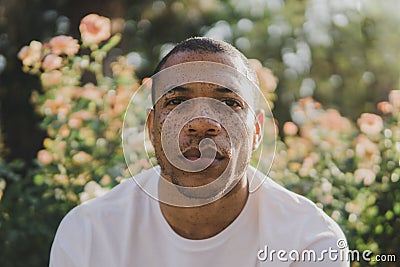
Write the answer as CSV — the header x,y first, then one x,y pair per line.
x,y
199,187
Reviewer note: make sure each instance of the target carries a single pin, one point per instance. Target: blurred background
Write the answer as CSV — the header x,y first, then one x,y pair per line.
x,y
342,53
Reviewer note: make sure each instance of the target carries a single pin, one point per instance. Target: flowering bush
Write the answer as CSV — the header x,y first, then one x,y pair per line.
x,y
82,156
350,169
82,110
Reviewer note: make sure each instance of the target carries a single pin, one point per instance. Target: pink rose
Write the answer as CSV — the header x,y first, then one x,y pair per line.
x,y
267,80
52,62
92,92
64,131
82,115
61,178
53,106
309,103
51,78
334,121
81,158
385,107
289,128
75,123
95,28
370,124
64,45
365,149
31,54
45,157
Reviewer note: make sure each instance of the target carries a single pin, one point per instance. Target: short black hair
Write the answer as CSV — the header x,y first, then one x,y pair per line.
x,y
201,44
206,45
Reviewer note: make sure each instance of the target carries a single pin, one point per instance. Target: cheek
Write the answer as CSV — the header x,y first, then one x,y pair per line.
x,y
166,126
159,120
249,123
242,128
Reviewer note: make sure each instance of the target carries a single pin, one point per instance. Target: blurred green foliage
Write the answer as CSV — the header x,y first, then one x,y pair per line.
x,y
342,53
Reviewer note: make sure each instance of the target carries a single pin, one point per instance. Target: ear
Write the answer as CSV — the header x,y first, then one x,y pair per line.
x,y
149,123
258,128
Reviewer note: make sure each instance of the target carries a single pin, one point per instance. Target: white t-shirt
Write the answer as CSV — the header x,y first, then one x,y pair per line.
x,y
125,227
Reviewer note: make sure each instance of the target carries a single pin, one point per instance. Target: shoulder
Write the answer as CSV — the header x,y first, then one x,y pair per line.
x,y
285,201
294,219
98,218
80,220
117,199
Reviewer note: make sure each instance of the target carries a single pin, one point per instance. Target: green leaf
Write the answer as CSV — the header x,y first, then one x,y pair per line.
x,y
389,215
38,179
396,208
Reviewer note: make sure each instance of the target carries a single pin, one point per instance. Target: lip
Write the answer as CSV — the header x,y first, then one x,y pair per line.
x,y
193,154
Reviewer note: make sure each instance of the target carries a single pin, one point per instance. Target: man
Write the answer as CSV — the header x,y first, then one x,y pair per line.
x,y
196,208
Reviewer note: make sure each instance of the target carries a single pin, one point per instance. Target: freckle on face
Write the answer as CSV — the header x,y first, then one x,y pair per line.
x,y
161,115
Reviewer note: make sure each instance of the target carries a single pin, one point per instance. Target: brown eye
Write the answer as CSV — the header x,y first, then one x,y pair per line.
x,y
232,103
174,102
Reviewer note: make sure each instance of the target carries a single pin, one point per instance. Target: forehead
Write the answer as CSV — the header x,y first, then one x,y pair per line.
x,y
215,70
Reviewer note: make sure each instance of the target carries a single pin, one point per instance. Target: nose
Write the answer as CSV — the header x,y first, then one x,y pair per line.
x,y
202,127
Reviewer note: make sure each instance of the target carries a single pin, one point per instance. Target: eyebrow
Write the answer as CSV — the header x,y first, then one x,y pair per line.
x,y
225,90
178,89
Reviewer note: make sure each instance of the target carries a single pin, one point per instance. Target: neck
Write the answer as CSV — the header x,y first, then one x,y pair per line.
x,y
208,220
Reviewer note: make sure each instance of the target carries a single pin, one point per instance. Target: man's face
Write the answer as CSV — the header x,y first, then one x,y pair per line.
x,y
198,105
